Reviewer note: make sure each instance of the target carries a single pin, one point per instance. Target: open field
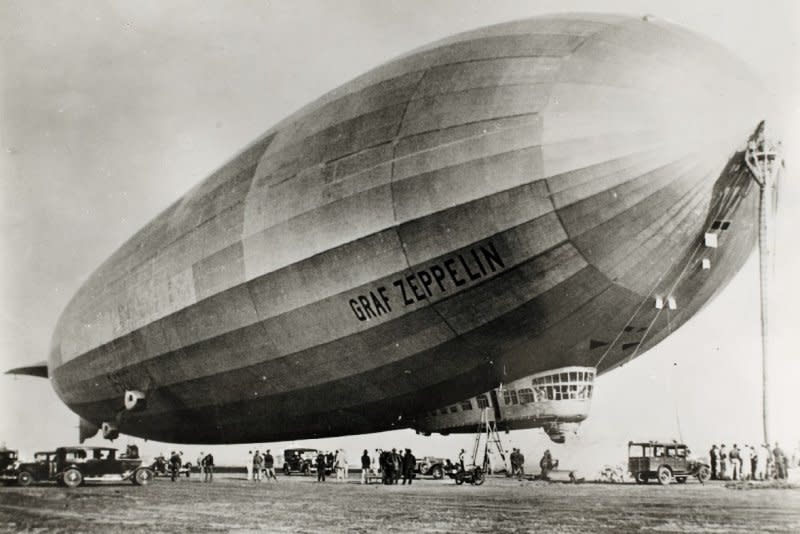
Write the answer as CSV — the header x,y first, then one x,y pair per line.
x,y
299,504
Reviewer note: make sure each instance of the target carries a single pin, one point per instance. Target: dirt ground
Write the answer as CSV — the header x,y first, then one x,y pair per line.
x,y
299,504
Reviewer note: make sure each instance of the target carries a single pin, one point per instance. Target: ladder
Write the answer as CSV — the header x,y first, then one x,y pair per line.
x,y
486,437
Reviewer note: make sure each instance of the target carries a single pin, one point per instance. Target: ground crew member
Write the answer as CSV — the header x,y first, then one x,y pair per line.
x,y
409,464
546,464
397,466
269,466
780,462
208,467
723,462
174,465
365,465
258,465
735,462
320,467
712,454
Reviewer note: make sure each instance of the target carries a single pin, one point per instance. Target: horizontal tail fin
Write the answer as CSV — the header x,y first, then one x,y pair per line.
x,y
40,370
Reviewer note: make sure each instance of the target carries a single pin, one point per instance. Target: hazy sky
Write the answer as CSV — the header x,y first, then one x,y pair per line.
x,y
109,111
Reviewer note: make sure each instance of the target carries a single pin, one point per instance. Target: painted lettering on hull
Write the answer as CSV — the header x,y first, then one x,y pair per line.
x,y
434,280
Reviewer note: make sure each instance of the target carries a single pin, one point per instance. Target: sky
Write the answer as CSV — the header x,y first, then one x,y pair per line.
x,y
109,111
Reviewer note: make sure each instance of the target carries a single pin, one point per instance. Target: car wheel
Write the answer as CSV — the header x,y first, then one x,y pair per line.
x,y
437,472
142,476
286,470
664,475
24,478
480,478
460,478
641,477
72,478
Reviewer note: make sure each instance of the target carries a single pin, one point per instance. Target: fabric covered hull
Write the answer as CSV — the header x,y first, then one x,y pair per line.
x,y
503,202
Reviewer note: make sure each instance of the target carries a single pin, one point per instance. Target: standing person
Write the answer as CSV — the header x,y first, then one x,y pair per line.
x,y
397,466
342,472
321,467
723,462
329,460
521,466
780,464
269,466
762,461
409,464
258,464
365,466
208,467
735,462
337,464
385,466
744,462
376,462
546,464
200,462
249,465
461,458
712,454
753,462
174,465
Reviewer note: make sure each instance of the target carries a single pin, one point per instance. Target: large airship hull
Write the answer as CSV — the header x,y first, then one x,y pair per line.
x,y
509,200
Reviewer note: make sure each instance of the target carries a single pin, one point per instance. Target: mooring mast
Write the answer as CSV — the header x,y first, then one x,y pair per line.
x,y
763,159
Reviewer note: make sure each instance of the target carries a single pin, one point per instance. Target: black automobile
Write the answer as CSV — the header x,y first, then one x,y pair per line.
x,y
76,465
652,460
7,457
25,473
299,461
431,466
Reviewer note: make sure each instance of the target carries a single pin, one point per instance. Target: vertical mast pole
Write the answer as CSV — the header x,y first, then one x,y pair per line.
x,y
764,165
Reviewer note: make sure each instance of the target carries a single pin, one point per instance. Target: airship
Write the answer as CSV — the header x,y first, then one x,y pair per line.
x,y
487,222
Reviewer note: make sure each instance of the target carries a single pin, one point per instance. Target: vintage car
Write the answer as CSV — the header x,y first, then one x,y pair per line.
x,y
25,473
301,460
77,465
664,461
431,466
7,457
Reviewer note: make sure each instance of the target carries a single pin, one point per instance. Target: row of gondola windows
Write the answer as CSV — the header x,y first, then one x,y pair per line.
x,y
543,393
573,391
465,406
527,395
564,378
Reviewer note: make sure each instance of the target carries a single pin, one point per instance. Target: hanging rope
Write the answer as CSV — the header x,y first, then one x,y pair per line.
x,y
723,206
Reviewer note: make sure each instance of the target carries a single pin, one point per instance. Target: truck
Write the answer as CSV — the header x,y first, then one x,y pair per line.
x,y
665,462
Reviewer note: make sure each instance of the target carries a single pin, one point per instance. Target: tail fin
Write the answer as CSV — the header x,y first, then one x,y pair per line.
x,y
40,370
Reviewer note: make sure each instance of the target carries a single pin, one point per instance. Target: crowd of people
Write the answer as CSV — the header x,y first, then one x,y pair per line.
x,y
748,462
261,466
333,462
174,464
